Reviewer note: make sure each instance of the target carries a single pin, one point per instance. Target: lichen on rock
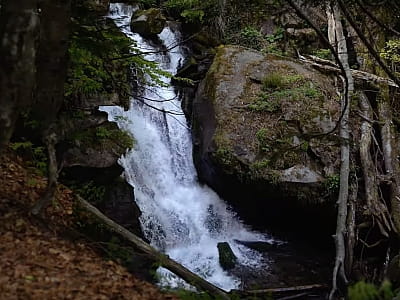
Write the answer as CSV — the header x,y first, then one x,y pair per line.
x,y
257,122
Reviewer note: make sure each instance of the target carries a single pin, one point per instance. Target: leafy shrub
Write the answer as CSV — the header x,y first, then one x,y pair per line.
x,y
263,139
251,37
193,11
368,291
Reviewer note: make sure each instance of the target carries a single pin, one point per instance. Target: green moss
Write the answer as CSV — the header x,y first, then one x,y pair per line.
x,y
103,137
278,87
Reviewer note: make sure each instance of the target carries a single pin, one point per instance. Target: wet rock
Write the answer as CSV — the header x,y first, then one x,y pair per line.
x,y
227,259
148,23
259,245
100,6
121,206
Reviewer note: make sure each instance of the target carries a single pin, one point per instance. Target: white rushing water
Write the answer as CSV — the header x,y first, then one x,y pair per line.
x,y
181,217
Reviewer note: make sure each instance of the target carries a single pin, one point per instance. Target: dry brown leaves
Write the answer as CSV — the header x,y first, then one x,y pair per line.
x,y
37,263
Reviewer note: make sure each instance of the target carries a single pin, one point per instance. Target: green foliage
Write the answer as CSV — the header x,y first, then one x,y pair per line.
x,y
251,37
332,184
90,191
261,164
263,139
368,291
101,57
276,36
224,155
323,53
391,51
103,136
193,11
36,155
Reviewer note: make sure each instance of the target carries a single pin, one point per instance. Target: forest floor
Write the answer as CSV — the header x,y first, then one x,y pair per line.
x,y
37,261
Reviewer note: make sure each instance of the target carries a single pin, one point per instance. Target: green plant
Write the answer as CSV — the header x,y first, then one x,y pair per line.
x,y
367,291
261,164
251,37
391,51
265,103
323,53
262,136
332,184
36,155
273,81
193,11
277,36
90,191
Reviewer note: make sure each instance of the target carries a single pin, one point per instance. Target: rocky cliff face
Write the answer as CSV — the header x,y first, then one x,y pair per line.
x,y
254,122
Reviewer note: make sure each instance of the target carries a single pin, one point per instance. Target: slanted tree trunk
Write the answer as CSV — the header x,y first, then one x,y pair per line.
x,y
52,60
159,257
19,24
339,272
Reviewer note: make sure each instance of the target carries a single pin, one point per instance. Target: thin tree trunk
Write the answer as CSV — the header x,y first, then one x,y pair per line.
x,y
151,252
341,230
52,176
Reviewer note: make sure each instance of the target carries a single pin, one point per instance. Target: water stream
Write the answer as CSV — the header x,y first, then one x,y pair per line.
x,y
180,216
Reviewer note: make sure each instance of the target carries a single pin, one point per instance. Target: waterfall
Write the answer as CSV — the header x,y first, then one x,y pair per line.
x,y
180,216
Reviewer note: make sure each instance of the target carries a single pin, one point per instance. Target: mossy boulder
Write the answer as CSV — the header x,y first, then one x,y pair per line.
x,y
149,22
254,122
227,259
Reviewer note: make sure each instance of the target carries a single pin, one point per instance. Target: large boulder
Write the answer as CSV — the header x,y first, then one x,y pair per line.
x,y
254,122
149,22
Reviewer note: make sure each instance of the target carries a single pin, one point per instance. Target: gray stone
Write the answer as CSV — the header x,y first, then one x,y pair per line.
x,y
148,23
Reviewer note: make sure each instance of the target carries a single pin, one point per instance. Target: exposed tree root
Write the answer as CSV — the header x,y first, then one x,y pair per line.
x,y
390,154
375,207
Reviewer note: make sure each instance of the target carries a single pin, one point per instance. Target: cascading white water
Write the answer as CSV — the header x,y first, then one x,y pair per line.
x,y
184,219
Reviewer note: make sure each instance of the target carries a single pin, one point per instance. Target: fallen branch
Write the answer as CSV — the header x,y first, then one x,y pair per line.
x,y
328,66
151,252
300,288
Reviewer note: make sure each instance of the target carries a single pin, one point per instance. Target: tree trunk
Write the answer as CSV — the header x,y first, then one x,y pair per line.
x,y
341,230
52,176
152,253
19,23
390,154
52,63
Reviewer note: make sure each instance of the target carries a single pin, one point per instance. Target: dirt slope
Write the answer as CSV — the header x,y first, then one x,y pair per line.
x,y
36,262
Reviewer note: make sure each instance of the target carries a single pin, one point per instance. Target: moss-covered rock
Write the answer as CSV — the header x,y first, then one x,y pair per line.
x,y
148,22
254,118
227,259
